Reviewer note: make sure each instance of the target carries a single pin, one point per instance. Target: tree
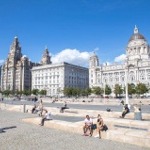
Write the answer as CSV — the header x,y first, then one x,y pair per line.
x,y
131,89
107,90
26,92
43,92
67,92
86,92
97,90
35,91
141,88
6,92
118,90
18,92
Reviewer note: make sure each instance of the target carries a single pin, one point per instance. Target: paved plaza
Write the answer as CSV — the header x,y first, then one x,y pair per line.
x,y
25,135
29,136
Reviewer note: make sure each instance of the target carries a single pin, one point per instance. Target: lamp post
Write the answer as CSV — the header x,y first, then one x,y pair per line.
x,y
126,80
104,90
126,85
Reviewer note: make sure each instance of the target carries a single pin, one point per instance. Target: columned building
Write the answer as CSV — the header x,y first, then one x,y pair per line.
x,y
55,77
0,77
136,67
16,71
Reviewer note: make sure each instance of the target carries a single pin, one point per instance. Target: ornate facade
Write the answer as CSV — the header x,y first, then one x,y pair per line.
x,y
136,67
46,58
16,71
0,77
55,77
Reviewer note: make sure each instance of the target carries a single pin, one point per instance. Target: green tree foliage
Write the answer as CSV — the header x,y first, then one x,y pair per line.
x,y
76,92
43,92
97,90
6,92
141,89
18,92
67,92
86,92
35,91
118,90
107,90
26,92
131,89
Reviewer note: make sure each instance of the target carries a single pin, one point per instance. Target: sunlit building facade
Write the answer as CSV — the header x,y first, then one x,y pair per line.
x,y
16,70
134,70
55,77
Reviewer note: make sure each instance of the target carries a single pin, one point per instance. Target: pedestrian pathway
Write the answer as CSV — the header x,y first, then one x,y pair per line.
x,y
29,136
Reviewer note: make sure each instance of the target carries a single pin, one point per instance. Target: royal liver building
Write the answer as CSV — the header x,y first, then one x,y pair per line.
x,y
16,71
136,67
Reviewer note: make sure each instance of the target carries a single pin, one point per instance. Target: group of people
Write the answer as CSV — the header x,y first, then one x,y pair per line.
x,y
88,125
88,122
42,112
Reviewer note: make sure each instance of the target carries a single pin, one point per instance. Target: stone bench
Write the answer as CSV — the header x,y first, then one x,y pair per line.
x,y
128,124
70,111
125,135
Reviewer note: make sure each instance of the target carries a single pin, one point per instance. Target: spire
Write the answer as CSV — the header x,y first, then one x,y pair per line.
x,y
46,59
136,30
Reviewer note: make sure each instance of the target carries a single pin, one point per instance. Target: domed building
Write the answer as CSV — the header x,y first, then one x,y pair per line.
x,y
137,65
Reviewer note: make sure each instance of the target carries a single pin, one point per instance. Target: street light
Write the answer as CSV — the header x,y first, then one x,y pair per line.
x,y
126,80
127,66
104,89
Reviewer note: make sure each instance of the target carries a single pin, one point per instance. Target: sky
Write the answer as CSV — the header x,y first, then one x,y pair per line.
x,y
72,29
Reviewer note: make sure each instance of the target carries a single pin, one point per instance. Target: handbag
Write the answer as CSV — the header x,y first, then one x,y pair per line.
x,y
105,128
94,126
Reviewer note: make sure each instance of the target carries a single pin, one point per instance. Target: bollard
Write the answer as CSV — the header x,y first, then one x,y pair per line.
x,y
137,113
24,108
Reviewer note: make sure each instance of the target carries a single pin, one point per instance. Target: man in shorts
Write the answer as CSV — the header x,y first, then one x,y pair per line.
x,y
87,125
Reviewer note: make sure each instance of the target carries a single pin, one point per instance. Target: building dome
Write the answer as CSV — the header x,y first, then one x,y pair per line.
x,y
137,35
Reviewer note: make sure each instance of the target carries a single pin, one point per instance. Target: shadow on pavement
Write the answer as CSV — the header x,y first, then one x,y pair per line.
x,y
2,130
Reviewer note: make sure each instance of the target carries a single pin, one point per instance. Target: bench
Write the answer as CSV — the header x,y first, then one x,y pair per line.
x,y
71,111
128,124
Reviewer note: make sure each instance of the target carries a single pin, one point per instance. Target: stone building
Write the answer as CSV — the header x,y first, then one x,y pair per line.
x,y
16,71
55,77
135,69
0,77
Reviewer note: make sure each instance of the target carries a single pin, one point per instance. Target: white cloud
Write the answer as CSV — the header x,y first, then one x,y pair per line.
x,y
72,56
1,62
120,58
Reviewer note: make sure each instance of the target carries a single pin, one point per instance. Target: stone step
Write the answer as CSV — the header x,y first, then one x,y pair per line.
x,y
136,137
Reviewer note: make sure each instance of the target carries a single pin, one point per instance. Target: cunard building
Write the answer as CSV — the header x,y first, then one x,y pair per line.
x,y
55,77
136,68
16,71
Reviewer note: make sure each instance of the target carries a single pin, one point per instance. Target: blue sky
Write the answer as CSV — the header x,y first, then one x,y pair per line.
x,y
72,29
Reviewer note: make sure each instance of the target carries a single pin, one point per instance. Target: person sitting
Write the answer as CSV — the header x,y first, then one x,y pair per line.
x,y
47,116
64,107
40,108
125,111
34,109
100,124
87,125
